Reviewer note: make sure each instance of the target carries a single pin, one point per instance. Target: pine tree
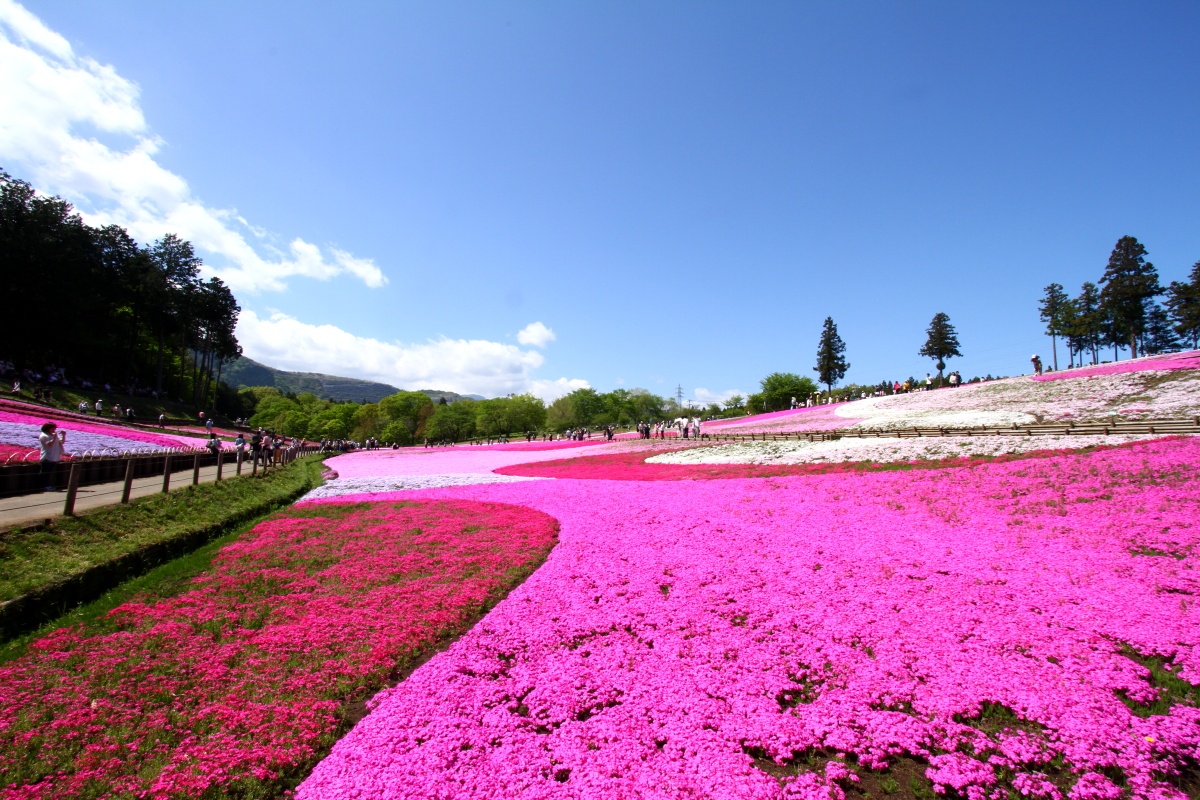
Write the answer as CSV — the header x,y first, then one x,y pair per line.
x,y
1159,336
1183,302
831,356
1088,322
1128,282
1052,307
941,342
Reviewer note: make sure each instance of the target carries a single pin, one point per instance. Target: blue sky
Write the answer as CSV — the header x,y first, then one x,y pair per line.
x,y
536,196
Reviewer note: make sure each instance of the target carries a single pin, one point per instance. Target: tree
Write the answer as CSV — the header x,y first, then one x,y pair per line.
x,y
735,402
1083,323
1159,336
831,356
941,342
1183,303
1053,304
779,388
1129,281
452,422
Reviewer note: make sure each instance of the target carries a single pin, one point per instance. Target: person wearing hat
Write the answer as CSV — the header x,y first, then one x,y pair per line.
x,y
51,444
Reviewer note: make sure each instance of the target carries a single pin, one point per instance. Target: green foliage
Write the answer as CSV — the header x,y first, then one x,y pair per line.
x,y
123,314
941,342
452,422
1183,304
1053,308
1129,281
779,388
831,356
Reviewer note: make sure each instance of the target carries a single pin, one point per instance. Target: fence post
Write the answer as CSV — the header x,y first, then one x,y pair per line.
x,y
239,463
166,473
128,487
220,462
72,490
196,469
253,463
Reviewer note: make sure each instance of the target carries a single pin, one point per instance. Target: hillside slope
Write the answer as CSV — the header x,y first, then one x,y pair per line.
x,y
247,372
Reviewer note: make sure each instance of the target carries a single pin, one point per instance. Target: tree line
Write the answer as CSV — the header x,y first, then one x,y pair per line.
x,y
95,307
408,418
1122,311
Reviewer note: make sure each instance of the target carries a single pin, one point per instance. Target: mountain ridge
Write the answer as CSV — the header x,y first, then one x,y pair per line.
x,y
245,372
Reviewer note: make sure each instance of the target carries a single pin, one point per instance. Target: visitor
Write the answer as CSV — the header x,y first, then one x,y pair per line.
x,y
213,444
83,407
50,446
162,420
99,408
1037,364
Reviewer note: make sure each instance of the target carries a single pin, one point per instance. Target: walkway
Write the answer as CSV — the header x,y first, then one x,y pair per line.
x,y
31,508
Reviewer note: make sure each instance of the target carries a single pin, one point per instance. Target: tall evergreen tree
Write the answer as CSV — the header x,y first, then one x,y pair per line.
x,y
1159,336
1087,322
1053,304
831,356
1129,281
1183,302
941,342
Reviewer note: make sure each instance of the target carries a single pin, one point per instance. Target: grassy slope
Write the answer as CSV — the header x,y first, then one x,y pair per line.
x,y
70,545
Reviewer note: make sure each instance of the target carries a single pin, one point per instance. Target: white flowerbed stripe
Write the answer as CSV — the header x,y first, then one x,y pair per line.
x,y
396,483
881,450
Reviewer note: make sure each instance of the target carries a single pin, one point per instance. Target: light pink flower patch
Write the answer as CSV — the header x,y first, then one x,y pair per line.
x,y
1169,361
816,418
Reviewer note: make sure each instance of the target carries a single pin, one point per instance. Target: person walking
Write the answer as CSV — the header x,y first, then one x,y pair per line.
x,y
51,443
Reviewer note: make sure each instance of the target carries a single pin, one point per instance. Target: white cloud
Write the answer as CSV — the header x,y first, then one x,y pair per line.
x,y
53,107
535,334
705,396
552,390
467,366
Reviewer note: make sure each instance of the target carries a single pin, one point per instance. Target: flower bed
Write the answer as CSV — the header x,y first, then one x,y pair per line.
x,y
697,464
1137,391
836,451
1169,361
981,632
809,418
236,686
23,430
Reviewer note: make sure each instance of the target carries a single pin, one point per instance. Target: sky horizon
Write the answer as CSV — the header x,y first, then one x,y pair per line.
x,y
540,197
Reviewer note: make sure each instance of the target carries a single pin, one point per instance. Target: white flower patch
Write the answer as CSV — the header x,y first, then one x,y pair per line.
x,y
1136,395
399,483
26,435
882,450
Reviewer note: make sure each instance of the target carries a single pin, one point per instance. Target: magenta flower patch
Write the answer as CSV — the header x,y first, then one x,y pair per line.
x,y
989,627
237,685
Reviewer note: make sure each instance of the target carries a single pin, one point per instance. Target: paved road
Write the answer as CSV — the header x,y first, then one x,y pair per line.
x,y
31,508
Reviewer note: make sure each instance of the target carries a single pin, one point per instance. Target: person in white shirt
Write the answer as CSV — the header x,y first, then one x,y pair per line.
x,y
51,443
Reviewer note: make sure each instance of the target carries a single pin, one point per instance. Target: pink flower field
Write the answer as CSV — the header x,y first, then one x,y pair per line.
x,y
20,431
1019,628
235,686
981,628
1169,361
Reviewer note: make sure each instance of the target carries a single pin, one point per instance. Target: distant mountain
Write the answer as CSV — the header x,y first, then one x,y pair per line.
x,y
247,372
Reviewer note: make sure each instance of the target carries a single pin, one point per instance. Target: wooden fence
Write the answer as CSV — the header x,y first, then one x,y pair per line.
x,y
25,479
